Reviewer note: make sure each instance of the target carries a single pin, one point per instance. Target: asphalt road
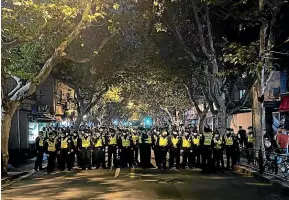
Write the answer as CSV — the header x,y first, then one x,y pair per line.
x,y
143,184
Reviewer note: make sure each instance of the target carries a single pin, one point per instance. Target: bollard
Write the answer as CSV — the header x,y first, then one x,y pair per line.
x,y
276,164
260,157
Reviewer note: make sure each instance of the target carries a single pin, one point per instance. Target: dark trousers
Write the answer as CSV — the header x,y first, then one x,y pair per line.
x,y
230,157
218,158
163,157
65,159
85,158
99,157
157,155
174,157
51,161
38,161
207,158
187,158
196,156
250,155
125,157
146,155
112,153
135,154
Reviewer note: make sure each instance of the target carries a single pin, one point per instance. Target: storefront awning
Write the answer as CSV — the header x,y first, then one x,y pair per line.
x,y
284,106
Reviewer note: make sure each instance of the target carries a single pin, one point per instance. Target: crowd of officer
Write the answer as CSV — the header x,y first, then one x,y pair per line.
x,y
108,147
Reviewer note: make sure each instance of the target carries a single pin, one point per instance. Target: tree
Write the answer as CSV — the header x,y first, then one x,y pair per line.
x,y
35,38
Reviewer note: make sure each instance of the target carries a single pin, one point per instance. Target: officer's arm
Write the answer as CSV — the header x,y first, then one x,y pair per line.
x,y
46,147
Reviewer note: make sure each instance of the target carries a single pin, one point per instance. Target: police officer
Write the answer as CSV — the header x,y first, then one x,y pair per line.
x,y
196,148
112,148
236,145
98,150
135,146
228,139
39,141
65,145
75,152
218,144
85,145
249,142
186,150
174,145
125,149
147,139
50,149
163,149
206,142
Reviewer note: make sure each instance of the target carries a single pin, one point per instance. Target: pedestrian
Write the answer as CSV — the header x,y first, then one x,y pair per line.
x,y
135,140
218,144
39,142
186,150
228,138
242,136
250,139
163,145
85,145
206,142
174,150
98,151
50,150
155,147
75,153
112,148
126,147
282,141
196,148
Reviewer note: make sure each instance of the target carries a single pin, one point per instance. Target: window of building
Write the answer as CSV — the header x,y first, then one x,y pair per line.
x,y
242,93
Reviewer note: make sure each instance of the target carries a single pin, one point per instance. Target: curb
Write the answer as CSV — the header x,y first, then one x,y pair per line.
x,y
16,178
278,184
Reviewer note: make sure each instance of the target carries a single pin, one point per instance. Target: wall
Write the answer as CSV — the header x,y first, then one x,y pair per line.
x,y
240,119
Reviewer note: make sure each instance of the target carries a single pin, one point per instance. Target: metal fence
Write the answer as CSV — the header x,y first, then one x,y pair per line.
x,y
266,162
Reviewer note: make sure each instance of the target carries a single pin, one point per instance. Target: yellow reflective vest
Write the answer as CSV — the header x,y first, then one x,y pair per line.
x,y
229,141
74,141
135,138
64,143
98,143
208,139
186,142
41,143
196,141
163,142
175,141
51,146
217,144
112,140
85,142
251,139
125,142
148,140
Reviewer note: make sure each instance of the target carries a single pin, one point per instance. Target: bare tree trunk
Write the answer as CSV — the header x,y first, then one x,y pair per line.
x,y
9,108
257,114
201,121
78,121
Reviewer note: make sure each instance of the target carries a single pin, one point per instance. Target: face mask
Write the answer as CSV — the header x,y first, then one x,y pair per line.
x,y
195,133
217,136
75,134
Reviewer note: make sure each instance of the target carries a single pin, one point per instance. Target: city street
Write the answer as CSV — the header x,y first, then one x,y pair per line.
x,y
140,184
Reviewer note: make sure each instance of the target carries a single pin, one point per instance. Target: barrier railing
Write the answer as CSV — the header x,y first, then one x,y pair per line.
x,y
268,162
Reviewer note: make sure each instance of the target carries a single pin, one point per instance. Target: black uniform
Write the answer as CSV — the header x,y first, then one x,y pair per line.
x,y
135,140
186,149
66,146
112,148
126,147
85,146
162,143
218,144
229,147
50,149
156,149
206,142
196,150
174,145
75,140
99,152
40,142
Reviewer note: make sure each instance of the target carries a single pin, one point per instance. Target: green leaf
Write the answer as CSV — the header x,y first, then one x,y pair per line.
x,y
116,6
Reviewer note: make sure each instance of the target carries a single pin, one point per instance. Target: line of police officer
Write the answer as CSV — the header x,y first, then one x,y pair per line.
x,y
187,148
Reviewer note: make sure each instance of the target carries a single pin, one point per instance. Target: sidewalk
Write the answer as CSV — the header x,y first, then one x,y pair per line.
x,y
21,171
279,184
